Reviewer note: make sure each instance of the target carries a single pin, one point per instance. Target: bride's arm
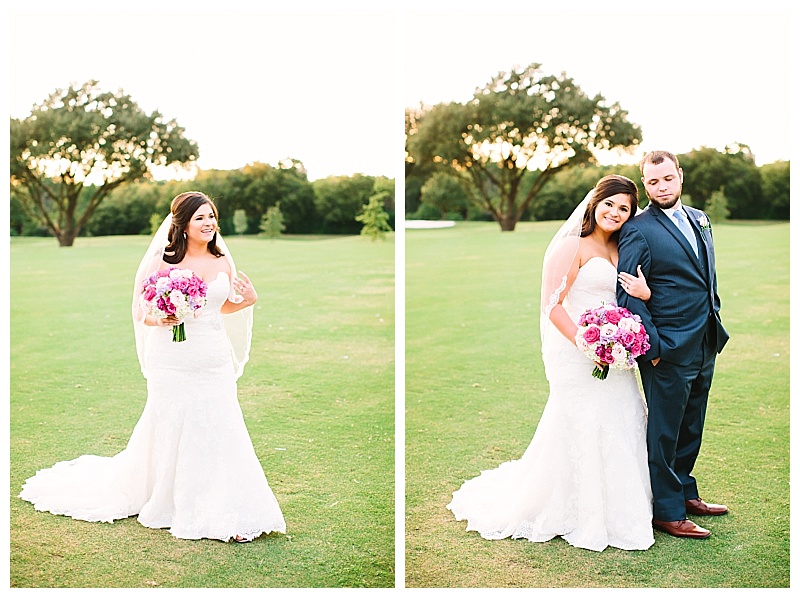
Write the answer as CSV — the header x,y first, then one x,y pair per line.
x,y
558,315
245,288
561,320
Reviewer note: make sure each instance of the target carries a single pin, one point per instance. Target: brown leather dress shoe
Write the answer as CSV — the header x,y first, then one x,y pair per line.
x,y
681,529
699,507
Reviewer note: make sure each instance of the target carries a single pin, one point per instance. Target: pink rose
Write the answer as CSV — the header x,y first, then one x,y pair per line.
x,y
591,334
613,317
625,337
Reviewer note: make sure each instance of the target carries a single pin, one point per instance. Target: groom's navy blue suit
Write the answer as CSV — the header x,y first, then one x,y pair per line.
x,y
682,320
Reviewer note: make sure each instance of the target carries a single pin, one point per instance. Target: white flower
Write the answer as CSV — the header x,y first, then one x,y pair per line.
x,y
177,299
626,324
162,284
583,346
629,325
619,353
703,222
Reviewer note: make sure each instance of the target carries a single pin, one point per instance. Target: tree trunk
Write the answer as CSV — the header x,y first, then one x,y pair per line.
x,y
66,238
507,223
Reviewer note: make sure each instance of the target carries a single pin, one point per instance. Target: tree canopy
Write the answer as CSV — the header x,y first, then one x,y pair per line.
x,y
79,145
706,170
522,121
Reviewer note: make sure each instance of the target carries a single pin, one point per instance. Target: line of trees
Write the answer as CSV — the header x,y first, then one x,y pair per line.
x,y
727,184
83,163
325,206
524,148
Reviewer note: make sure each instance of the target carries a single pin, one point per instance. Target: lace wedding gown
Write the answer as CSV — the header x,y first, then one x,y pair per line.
x,y
189,465
584,475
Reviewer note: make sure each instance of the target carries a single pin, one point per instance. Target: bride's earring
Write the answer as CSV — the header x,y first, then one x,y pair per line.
x,y
184,235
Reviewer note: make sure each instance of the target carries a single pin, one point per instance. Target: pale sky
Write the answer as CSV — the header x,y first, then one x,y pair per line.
x,y
248,85
327,86
689,77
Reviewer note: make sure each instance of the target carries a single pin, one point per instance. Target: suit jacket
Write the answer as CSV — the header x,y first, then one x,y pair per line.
x,y
684,304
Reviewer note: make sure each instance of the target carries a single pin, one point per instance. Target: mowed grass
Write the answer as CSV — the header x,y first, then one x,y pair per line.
x,y
317,397
475,389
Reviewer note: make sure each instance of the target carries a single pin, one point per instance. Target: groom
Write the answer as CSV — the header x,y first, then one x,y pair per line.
x,y
673,244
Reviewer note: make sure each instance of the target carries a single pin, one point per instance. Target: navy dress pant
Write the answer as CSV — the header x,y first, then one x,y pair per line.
x,y
677,397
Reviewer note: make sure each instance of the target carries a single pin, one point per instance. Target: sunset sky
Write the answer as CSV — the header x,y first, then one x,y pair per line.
x,y
327,86
248,85
689,75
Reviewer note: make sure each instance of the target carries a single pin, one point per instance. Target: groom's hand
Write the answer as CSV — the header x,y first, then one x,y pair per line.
x,y
655,361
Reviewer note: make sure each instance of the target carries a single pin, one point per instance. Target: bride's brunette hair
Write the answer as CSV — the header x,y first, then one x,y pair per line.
x,y
608,186
183,208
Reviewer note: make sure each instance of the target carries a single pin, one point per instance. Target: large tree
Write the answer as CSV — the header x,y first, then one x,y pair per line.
x,y
79,145
287,183
446,194
775,185
339,199
521,122
706,170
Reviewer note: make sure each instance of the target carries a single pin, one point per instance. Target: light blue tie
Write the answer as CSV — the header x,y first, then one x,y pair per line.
x,y
686,229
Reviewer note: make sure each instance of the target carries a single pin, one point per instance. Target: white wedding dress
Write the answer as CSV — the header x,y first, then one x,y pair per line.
x,y
189,465
584,475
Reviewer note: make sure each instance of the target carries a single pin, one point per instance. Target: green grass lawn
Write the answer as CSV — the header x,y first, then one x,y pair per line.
x,y
475,389
317,396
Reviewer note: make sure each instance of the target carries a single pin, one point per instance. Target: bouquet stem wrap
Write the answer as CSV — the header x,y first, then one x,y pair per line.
x,y
178,333
601,373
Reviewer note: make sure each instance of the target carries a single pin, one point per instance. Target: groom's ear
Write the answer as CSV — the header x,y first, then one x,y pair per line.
x,y
680,172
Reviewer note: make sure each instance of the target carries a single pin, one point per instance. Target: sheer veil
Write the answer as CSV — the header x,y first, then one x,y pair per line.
x,y
238,325
557,261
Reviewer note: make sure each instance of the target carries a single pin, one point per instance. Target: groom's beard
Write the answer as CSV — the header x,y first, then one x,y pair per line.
x,y
666,204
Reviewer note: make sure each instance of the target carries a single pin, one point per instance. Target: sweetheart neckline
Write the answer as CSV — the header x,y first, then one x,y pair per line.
x,y
217,277
599,257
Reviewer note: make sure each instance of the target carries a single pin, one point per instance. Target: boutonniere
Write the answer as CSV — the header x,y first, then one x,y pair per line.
x,y
704,223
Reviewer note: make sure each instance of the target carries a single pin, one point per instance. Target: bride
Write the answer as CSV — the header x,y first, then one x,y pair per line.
x,y
189,465
584,476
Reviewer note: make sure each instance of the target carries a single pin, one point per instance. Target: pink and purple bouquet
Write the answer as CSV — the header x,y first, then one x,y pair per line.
x,y
173,292
612,336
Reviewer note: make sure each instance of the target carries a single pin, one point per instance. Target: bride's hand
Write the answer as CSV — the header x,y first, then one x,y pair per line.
x,y
245,288
635,286
168,321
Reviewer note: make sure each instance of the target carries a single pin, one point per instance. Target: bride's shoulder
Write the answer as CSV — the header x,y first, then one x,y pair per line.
x,y
225,264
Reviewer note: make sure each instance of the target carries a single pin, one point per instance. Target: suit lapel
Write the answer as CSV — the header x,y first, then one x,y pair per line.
x,y
667,223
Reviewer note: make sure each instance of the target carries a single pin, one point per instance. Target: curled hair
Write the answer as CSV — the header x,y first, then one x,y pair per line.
x,y
657,157
183,208
608,186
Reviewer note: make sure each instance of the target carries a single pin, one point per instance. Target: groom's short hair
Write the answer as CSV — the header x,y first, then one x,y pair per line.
x,y
657,157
